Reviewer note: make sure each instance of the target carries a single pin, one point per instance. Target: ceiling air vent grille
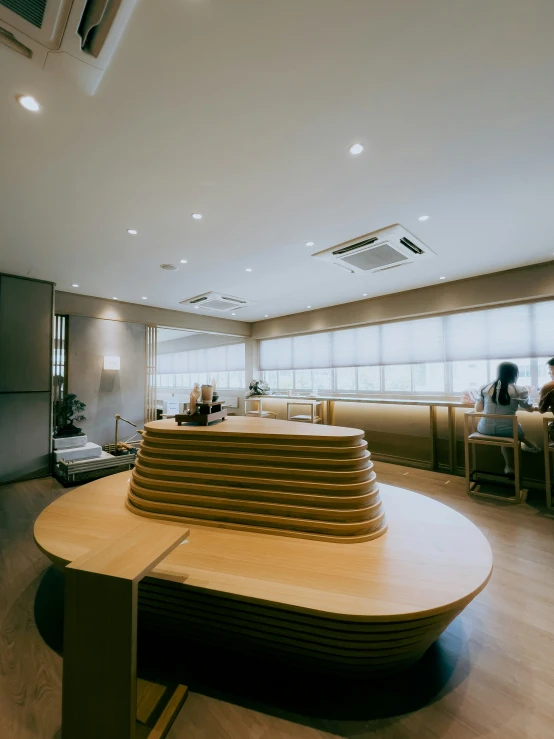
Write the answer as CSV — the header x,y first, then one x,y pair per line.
x,y
31,11
384,249
217,302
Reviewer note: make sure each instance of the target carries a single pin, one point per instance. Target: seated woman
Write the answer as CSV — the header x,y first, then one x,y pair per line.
x,y
503,398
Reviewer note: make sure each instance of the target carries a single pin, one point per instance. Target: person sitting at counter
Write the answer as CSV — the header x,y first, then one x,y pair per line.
x,y
504,398
546,399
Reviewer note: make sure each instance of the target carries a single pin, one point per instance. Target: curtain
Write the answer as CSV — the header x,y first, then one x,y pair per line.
x,y
213,359
493,333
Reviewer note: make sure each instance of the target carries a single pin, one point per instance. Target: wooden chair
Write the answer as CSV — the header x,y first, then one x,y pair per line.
x,y
473,438
548,447
259,411
312,417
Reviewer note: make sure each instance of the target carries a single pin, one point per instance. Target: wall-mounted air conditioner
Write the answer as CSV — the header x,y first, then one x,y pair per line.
x,y
218,302
384,249
71,37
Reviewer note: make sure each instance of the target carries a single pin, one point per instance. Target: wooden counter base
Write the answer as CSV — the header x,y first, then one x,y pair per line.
x,y
374,606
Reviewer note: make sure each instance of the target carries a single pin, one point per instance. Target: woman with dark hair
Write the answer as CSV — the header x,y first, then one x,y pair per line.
x,y
504,398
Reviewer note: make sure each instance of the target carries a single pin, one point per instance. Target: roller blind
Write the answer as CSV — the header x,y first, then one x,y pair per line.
x,y
213,359
512,331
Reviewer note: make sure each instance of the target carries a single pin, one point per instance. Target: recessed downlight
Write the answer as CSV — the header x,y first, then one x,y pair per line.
x,y
29,103
248,269
233,314
169,267
75,285
197,216
115,298
195,307
144,298
364,295
266,315
310,243
423,218
183,261
356,149
308,306
442,278
132,231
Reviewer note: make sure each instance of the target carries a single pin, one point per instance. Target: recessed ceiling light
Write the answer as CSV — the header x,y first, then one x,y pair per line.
x,y
197,216
364,295
169,267
308,306
267,315
233,314
29,103
442,278
423,218
75,285
115,298
183,261
248,269
144,298
195,307
132,231
356,149
309,243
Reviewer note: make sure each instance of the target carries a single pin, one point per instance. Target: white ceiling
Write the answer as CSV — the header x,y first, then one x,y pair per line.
x,y
244,111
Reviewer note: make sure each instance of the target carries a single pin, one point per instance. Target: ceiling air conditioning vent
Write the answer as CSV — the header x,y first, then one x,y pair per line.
x,y
216,301
389,247
75,38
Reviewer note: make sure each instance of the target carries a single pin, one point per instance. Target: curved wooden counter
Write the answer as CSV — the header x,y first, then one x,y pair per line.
x,y
374,606
255,474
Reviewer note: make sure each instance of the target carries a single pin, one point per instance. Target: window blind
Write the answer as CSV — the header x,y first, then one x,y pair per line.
x,y
492,333
224,358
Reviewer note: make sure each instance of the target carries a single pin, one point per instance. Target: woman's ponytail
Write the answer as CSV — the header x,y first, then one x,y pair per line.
x,y
507,374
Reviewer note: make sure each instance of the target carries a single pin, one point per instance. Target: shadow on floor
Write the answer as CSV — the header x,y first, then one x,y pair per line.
x,y
273,687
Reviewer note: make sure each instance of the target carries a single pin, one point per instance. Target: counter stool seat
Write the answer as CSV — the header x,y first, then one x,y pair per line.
x,y
474,438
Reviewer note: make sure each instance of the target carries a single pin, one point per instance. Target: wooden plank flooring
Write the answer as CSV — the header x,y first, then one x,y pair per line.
x,y
491,674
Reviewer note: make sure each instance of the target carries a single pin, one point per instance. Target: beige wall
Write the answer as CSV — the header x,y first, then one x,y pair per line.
x,y
116,310
514,285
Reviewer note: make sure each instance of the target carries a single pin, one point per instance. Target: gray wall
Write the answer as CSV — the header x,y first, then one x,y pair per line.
x,y
25,377
107,392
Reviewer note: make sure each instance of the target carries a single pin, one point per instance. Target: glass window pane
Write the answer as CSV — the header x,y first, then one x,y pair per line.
x,y
398,378
469,375
236,379
428,377
285,380
346,378
369,379
272,379
322,379
222,379
303,379
544,377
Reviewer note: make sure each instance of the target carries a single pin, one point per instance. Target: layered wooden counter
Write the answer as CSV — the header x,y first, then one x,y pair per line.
x,y
374,605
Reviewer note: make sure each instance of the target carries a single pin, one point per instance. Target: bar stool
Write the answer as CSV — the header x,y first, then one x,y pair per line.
x,y
473,438
548,450
259,411
313,416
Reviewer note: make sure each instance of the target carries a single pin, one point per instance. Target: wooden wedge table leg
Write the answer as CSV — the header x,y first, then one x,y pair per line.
x,y
99,696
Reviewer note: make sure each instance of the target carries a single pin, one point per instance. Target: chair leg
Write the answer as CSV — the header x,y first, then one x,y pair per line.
x,y
517,470
466,445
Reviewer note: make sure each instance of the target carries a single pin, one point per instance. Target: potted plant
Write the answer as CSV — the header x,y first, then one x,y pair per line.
x,y
67,410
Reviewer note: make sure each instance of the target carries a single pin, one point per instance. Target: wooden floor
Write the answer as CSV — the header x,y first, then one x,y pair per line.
x,y
490,675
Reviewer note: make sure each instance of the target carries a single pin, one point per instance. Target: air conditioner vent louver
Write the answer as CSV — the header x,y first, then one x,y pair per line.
x,y
216,302
31,11
384,249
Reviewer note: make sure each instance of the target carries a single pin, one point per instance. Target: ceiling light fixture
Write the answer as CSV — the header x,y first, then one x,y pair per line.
x,y
144,298
310,243
308,306
442,278
248,269
364,295
115,298
132,231
75,285
233,314
169,267
197,216
29,103
423,218
266,315
195,307
183,261
356,149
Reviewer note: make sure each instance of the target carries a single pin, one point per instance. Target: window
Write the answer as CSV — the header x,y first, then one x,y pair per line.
x,y
428,377
398,378
469,375
223,363
303,379
346,378
369,379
